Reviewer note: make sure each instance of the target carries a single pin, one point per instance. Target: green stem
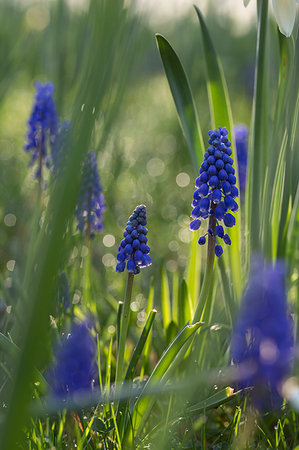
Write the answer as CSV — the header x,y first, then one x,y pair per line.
x,y
124,328
203,297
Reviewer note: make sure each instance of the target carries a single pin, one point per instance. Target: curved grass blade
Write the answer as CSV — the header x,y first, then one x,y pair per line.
x,y
221,116
223,396
183,99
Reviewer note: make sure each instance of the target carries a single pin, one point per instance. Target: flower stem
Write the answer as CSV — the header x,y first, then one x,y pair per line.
x,y
202,301
124,328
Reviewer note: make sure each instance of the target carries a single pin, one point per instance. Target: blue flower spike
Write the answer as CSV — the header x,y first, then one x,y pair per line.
x,y
133,250
90,204
75,365
262,342
215,190
42,126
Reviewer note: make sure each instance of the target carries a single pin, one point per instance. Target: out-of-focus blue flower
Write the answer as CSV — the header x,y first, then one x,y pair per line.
x,y
241,133
63,295
215,189
60,147
262,340
42,126
90,204
75,366
133,249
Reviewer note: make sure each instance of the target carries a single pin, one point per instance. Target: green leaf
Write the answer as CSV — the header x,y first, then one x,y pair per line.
x,y
140,346
221,115
144,404
221,397
183,99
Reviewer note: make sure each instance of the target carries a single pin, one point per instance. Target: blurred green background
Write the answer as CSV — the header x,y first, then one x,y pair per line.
x,y
142,157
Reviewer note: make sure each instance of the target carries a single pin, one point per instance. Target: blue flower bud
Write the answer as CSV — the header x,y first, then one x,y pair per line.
x,y
120,267
219,231
219,212
202,240
216,196
234,192
121,256
211,160
229,201
204,204
195,224
212,170
203,190
198,183
213,181
138,256
196,212
229,220
232,179
204,177
226,239
218,250
136,244
131,266
128,239
219,164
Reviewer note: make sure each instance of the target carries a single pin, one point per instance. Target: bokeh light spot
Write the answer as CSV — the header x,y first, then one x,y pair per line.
x,y
10,220
109,240
155,167
182,179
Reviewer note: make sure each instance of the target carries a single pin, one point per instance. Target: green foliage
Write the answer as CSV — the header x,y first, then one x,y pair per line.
x,y
164,379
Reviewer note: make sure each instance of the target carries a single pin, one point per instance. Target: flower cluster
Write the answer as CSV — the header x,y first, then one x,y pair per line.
x,y
75,362
215,189
42,125
133,248
90,204
241,133
262,341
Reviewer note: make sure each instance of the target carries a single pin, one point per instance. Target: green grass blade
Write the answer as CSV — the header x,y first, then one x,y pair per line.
x,y
140,346
143,405
183,99
256,170
223,396
165,299
185,310
277,196
221,115
193,269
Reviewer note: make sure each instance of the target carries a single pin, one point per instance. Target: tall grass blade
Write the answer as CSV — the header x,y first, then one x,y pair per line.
x,y
183,99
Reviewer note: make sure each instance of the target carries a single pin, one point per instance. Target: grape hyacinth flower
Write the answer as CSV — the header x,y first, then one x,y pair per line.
x,y
215,190
133,249
42,126
90,204
262,341
75,365
241,133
